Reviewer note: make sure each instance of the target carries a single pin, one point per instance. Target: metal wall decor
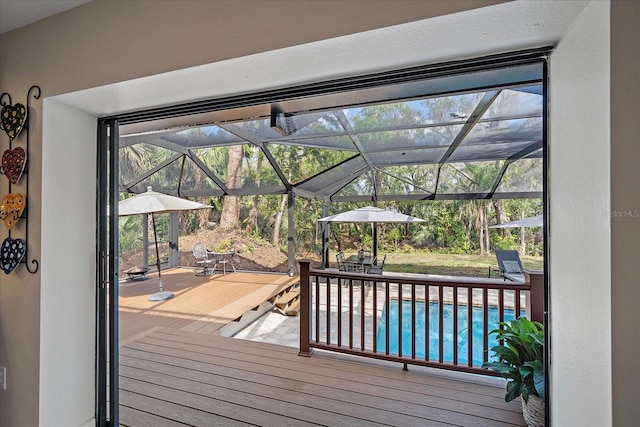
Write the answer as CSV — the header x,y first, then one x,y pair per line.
x,y
12,208
13,164
14,118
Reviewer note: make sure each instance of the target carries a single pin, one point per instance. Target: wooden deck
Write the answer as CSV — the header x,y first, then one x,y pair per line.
x,y
175,370
202,303
173,377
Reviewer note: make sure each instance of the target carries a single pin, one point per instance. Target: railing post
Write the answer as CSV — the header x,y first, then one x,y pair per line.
x,y
305,308
535,279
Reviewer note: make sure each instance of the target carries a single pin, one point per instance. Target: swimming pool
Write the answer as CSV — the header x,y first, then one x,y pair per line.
x,y
462,336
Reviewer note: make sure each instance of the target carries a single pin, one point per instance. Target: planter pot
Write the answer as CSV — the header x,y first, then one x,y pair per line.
x,y
533,411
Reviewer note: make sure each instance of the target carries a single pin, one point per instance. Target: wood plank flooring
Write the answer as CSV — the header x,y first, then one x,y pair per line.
x,y
172,377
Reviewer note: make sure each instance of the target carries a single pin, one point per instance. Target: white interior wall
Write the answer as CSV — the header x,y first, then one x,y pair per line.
x,y
580,235
68,267
511,26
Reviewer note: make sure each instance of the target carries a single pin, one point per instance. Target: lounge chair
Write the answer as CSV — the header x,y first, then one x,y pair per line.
x,y
509,266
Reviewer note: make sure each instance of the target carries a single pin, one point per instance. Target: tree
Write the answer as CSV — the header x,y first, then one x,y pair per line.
x,y
231,207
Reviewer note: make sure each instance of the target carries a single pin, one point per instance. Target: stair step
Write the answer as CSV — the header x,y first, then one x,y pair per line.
x,y
293,309
287,298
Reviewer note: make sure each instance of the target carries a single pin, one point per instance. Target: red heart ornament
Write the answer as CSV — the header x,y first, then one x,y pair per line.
x,y
13,164
12,207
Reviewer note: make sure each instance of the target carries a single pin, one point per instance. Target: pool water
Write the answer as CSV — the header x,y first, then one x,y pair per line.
x,y
462,336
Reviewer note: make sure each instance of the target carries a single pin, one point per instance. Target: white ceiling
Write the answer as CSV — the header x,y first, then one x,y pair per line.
x,y
18,13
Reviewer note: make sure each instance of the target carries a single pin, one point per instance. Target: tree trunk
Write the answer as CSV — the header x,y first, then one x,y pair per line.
x,y
203,218
501,216
487,237
253,213
480,226
231,205
523,238
278,222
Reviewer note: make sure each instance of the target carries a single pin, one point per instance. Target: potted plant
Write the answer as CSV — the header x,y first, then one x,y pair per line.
x,y
520,361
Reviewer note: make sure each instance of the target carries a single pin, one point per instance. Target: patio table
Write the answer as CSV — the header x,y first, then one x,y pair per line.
x,y
223,258
366,261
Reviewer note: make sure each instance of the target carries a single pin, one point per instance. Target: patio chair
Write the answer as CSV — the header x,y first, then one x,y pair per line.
x,y
340,260
509,266
202,257
375,268
353,267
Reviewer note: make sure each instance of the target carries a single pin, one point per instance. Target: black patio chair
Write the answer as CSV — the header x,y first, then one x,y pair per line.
x,y
377,268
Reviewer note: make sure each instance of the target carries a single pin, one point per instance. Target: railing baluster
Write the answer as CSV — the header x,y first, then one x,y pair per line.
x,y
374,338
400,319
427,328
328,311
387,325
517,308
501,304
441,324
469,326
350,313
455,331
317,308
413,321
363,304
339,330
485,325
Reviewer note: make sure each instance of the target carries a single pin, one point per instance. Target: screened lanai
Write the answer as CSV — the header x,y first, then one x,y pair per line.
x,y
447,132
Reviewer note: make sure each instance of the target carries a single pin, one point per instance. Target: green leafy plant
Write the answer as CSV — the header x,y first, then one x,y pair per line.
x,y
223,246
520,358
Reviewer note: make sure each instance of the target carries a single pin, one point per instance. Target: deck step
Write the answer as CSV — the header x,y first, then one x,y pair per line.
x,y
293,309
288,298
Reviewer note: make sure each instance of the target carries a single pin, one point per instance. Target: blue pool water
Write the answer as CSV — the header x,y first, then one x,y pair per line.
x,y
462,336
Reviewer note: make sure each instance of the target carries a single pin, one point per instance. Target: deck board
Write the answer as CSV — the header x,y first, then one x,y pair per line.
x,y
138,418
264,384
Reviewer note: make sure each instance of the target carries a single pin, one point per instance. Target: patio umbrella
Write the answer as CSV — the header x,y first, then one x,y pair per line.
x,y
152,202
534,221
370,214
374,215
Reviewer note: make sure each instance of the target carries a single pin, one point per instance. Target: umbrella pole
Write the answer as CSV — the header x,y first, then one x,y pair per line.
x,y
375,240
161,295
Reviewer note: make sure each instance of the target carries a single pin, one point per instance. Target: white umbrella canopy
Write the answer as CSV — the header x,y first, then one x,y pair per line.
x,y
370,214
534,221
152,202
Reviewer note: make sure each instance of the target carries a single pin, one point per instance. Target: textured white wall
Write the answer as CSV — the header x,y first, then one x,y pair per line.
x,y
68,269
580,279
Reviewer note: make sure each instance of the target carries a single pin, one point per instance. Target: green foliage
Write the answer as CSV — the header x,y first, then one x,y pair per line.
x,y
504,243
520,358
223,246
